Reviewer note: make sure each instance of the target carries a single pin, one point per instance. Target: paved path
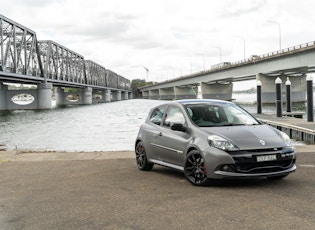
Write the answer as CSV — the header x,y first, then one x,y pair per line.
x,y
288,120
105,190
297,128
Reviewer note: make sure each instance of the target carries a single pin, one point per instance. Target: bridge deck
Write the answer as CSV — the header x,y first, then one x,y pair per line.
x,y
296,128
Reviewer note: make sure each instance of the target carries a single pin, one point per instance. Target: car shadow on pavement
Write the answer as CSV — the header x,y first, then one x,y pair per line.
x,y
227,183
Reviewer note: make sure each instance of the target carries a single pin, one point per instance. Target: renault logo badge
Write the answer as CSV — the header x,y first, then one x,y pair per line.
x,y
262,142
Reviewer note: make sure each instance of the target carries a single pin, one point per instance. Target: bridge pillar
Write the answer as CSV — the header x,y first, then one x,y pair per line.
x,y
3,96
87,96
167,93
116,95
145,94
124,95
154,94
268,88
130,95
60,96
44,95
221,91
185,92
106,95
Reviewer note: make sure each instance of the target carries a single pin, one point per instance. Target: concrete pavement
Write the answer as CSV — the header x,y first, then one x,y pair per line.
x,y
105,190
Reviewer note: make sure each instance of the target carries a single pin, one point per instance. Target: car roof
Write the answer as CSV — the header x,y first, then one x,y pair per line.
x,y
202,101
195,102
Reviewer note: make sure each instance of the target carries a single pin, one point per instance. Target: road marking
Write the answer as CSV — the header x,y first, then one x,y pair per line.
x,y
307,166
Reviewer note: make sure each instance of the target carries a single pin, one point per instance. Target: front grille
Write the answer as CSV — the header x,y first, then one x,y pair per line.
x,y
246,161
266,150
262,167
255,151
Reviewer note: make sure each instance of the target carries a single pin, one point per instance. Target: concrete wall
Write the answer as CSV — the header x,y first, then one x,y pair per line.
x,y
40,98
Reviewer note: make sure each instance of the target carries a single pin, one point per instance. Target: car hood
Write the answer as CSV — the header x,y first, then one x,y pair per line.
x,y
249,137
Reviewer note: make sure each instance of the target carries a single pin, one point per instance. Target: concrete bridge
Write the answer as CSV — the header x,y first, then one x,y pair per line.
x,y
47,64
216,83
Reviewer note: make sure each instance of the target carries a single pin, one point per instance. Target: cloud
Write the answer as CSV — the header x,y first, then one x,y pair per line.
x,y
169,37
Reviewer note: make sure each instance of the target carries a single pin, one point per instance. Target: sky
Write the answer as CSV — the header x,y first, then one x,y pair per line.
x,y
158,40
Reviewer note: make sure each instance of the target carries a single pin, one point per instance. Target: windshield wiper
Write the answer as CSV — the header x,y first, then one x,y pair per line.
x,y
233,124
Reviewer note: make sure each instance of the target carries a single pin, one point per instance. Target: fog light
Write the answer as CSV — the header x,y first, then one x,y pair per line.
x,y
227,168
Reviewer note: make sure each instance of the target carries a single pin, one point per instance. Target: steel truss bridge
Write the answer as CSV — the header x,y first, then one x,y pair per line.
x,y
24,59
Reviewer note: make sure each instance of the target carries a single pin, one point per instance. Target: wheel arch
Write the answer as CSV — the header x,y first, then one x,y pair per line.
x,y
191,148
137,141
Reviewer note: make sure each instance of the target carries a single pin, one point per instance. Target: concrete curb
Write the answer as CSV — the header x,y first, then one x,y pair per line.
x,y
6,156
9,156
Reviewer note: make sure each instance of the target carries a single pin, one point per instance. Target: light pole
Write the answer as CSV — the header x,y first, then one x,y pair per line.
x,y
279,31
190,66
220,53
147,70
243,43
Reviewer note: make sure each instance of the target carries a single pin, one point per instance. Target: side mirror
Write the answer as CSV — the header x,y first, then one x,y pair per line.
x,y
178,127
261,121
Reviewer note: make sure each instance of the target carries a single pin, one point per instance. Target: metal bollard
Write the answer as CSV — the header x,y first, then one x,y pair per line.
x,y
278,97
309,93
259,104
288,89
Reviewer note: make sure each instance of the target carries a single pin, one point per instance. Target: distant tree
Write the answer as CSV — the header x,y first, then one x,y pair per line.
x,y
21,86
71,90
249,91
136,84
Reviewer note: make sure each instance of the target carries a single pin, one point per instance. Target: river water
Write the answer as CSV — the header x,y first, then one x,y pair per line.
x,y
100,127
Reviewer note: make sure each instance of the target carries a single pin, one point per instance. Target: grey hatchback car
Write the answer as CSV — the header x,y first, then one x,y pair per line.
x,y
212,139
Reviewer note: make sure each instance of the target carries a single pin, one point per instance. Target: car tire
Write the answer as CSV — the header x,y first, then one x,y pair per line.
x,y
195,170
141,158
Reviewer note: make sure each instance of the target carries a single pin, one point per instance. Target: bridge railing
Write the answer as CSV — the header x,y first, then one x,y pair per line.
x,y
255,58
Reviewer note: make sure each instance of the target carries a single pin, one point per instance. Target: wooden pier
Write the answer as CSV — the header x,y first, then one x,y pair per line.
x,y
297,128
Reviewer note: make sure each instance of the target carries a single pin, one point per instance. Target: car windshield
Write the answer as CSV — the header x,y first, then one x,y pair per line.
x,y
225,114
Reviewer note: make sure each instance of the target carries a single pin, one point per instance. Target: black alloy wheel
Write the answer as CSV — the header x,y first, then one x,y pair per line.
x,y
141,158
195,170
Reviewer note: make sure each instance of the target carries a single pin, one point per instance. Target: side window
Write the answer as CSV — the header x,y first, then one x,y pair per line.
x,y
173,115
157,115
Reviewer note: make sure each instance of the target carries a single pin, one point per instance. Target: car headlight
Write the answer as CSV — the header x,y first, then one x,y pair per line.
x,y
286,138
221,143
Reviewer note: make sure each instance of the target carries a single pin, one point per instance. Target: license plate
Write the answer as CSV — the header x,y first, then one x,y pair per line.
x,y
266,158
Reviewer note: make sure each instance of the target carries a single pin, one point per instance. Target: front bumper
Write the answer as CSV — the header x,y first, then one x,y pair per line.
x,y
244,164
225,174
